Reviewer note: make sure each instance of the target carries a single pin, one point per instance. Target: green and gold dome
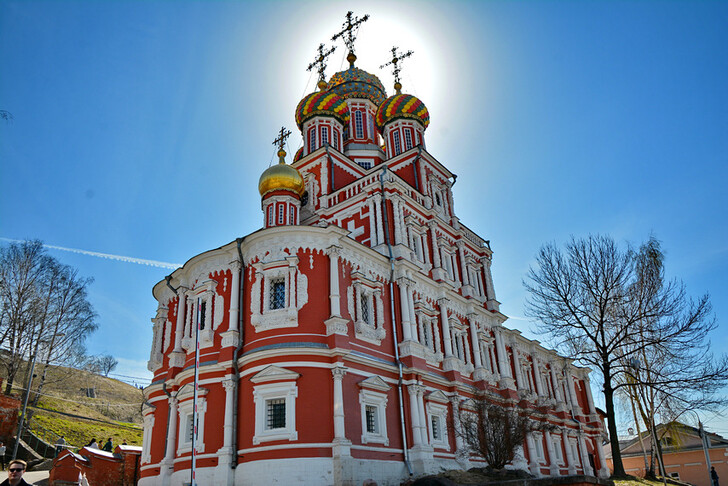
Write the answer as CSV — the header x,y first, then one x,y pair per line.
x,y
402,106
322,103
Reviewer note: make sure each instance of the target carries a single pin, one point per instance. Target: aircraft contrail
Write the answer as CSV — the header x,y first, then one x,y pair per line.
x,y
121,258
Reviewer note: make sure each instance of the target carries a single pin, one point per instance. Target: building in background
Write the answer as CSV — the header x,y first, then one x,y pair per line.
x,y
339,341
682,451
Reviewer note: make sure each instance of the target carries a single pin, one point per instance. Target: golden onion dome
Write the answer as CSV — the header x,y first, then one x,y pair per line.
x,y
281,177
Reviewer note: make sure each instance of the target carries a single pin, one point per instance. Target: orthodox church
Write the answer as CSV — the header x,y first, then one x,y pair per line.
x,y
341,341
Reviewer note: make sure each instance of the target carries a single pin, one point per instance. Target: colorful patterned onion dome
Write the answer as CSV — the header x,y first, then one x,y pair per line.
x,y
322,103
402,106
355,83
281,177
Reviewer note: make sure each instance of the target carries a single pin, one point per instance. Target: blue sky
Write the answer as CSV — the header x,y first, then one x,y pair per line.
x,y
141,128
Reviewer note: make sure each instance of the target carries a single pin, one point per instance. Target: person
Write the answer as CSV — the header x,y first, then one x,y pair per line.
x,y
60,444
714,476
109,446
16,469
2,455
92,444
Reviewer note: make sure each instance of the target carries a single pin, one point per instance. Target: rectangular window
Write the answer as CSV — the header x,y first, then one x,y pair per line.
x,y
281,208
365,309
312,140
324,136
188,429
278,293
397,144
358,125
371,413
275,412
270,215
436,431
292,215
371,127
365,164
408,139
202,306
336,139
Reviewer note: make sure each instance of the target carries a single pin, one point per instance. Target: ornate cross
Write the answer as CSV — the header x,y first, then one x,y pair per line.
x,y
320,62
395,59
349,28
282,136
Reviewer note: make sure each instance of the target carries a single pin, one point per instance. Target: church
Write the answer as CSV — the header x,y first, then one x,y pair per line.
x,y
342,340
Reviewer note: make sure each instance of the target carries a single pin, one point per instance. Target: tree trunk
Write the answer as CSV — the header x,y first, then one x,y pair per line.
x,y
612,426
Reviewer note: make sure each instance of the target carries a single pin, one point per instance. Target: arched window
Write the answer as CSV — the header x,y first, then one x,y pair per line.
x,y
312,140
370,119
358,125
397,143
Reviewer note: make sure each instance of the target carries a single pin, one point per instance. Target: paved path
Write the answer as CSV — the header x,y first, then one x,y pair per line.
x,y
31,477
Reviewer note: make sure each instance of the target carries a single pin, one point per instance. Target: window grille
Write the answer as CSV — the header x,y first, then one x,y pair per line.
x,y
324,136
278,293
365,309
372,426
435,427
292,215
312,140
275,413
270,215
336,139
408,139
280,213
358,124
397,143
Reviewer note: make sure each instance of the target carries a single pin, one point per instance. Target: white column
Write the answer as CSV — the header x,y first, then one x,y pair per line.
x,y
570,460
227,441
489,290
378,216
291,284
533,463
475,342
537,376
463,265
504,368
424,426
455,402
603,470
553,463
415,413
235,267
411,305
404,307
397,221
208,298
334,296
445,327
171,433
339,422
555,383
520,383
588,471
179,328
589,397
435,247
572,393
372,224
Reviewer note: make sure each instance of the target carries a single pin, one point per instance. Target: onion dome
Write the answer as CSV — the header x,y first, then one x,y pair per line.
x,y
402,106
281,177
355,83
299,155
322,103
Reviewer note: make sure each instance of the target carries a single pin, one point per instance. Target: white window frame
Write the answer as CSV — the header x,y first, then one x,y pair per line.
x,y
261,394
324,135
292,215
378,400
408,138
312,139
281,213
558,453
270,215
147,436
335,138
538,445
438,411
185,411
396,143
358,124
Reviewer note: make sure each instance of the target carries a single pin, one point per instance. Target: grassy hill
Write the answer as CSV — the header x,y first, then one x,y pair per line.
x,y
64,408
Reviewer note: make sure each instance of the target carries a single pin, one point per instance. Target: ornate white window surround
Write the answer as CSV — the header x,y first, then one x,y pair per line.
x,y
269,399
437,423
373,401
160,338
264,315
204,304
185,410
428,322
538,444
148,413
366,308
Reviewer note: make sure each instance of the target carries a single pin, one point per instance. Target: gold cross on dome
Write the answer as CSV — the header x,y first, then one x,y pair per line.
x,y
320,62
396,58
282,136
349,28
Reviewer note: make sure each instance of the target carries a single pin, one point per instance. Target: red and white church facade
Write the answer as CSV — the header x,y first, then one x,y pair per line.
x,y
338,342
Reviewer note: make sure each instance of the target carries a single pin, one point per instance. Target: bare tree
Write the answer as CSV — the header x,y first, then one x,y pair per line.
x,y
600,306
493,431
45,312
107,363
